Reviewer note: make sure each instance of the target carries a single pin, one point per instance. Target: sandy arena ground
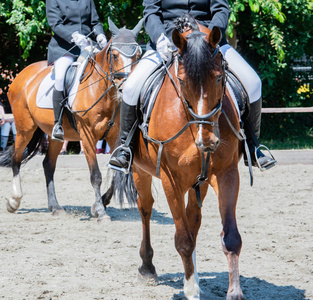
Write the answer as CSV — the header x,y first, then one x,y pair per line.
x,y
74,257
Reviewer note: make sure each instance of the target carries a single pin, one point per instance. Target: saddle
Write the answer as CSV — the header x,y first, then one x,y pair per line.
x,y
153,84
73,77
148,95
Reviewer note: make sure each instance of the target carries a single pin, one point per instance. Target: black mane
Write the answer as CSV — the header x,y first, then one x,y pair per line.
x,y
198,60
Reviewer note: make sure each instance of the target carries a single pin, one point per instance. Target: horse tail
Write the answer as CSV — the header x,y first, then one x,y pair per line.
x,y
29,152
123,184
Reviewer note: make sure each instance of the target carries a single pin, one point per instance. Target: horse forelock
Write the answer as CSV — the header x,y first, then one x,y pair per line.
x,y
198,61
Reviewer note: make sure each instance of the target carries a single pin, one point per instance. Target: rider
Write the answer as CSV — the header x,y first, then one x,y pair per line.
x,y
159,23
71,21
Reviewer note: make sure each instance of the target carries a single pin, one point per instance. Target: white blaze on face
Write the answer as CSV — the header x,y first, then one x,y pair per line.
x,y
126,64
200,109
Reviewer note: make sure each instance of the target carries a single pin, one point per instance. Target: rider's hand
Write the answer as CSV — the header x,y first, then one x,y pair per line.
x,y
80,40
101,40
162,46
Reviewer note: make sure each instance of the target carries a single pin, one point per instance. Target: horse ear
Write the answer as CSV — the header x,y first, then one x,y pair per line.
x,y
215,37
113,28
179,41
137,28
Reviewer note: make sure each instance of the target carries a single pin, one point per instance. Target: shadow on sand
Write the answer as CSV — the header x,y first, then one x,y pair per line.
x,y
215,285
116,214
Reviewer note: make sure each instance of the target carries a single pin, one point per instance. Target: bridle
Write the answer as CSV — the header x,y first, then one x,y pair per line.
x,y
112,76
195,119
204,120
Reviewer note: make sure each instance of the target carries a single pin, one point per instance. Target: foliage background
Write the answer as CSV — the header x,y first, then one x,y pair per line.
x,y
273,36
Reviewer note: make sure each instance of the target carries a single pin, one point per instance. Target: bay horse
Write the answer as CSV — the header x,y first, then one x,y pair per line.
x,y
96,112
190,145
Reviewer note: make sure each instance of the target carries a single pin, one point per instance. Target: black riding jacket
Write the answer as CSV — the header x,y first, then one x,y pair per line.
x,y
160,15
65,17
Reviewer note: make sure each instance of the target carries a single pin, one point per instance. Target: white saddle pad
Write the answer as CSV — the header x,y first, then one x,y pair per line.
x,y
44,94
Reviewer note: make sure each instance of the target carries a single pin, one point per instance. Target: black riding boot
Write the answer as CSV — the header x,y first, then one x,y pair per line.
x,y
128,117
57,131
252,127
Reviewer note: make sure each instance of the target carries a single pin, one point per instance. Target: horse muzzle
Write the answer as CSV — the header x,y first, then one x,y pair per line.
x,y
208,145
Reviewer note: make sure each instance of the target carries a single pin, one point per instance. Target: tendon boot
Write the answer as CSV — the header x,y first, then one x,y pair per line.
x,y
57,131
252,126
121,158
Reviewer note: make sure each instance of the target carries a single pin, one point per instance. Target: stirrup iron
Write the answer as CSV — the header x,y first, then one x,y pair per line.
x,y
257,161
115,153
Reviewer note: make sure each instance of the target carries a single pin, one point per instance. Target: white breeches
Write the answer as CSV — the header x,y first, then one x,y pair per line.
x,y
60,67
248,77
151,60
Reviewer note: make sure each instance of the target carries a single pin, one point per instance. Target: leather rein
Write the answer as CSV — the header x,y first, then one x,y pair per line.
x,y
111,76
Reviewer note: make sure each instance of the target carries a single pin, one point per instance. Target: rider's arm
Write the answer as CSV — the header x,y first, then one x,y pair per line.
x,y
153,19
95,22
220,14
55,21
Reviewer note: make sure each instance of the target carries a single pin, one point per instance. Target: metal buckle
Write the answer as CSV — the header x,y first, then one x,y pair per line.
x,y
257,161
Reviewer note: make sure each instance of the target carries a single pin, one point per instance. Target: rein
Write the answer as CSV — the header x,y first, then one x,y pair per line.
x,y
107,76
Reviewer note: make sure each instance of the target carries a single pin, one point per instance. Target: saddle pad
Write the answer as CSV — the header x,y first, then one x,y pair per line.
x,y
150,91
44,94
237,92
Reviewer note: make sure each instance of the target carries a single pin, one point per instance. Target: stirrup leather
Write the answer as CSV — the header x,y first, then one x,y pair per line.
x,y
115,153
272,164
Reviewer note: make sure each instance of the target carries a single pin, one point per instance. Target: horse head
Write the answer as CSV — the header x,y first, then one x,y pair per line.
x,y
123,52
201,76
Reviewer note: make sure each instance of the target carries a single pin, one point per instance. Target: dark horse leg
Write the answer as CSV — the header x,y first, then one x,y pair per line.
x,y
49,164
227,188
194,218
147,273
186,234
97,209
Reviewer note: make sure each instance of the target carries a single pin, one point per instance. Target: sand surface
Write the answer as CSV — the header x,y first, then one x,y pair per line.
x,y
74,257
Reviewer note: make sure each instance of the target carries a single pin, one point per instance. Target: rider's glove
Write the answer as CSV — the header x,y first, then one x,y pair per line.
x,y
162,47
101,40
80,40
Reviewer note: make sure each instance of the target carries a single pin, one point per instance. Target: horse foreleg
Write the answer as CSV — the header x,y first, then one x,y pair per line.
x,y
97,209
227,188
194,219
49,164
185,238
147,273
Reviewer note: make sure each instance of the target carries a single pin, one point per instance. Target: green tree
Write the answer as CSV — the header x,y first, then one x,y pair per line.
x,y
274,36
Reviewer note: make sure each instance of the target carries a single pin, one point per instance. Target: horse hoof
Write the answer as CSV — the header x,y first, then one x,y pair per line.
x,y
148,279
13,204
60,212
103,218
235,296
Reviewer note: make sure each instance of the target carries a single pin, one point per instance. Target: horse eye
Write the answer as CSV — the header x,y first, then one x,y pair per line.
x,y
115,57
219,78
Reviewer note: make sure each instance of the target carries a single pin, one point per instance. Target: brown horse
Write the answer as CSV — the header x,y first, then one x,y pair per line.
x,y
190,145
96,110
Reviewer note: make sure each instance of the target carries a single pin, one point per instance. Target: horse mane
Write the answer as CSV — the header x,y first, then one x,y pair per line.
x,y
197,57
